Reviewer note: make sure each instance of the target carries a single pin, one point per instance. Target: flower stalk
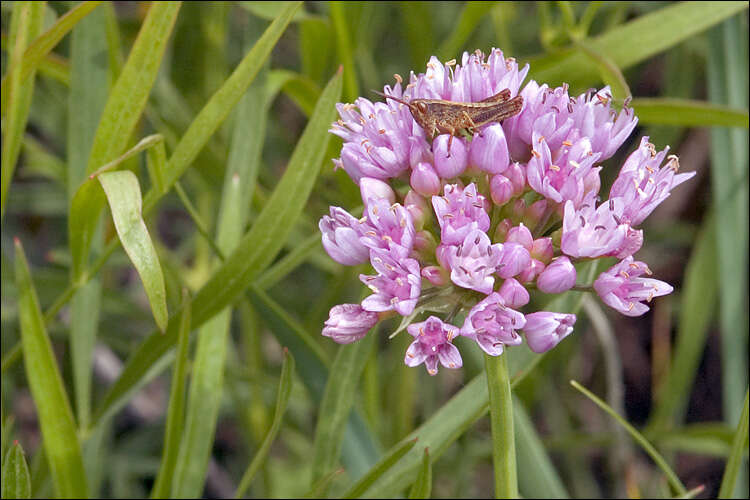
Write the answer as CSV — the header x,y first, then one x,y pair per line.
x,y
501,420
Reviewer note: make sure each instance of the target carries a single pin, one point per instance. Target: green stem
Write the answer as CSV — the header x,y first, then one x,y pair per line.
x,y
501,419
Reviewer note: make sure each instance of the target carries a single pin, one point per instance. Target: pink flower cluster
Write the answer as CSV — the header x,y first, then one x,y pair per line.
x,y
469,232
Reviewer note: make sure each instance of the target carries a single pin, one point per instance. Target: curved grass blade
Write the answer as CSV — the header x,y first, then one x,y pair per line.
x,y
472,15
319,488
120,116
344,49
655,32
59,438
687,113
175,410
26,22
41,46
282,399
16,478
343,380
610,73
366,481
124,195
422,487
672,478
254,253
735,458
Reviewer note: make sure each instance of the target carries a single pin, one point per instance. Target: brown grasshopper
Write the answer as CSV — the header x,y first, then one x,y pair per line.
x,y
448,117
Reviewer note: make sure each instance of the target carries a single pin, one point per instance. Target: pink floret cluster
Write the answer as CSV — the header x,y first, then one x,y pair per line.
x,y
470,230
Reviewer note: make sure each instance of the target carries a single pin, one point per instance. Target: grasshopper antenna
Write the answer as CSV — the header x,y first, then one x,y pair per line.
x,y
392,97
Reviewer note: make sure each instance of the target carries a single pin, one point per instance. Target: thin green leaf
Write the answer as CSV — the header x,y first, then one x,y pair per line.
x,y
289,262
40,161
59,438
26,23
698,302
120,116
124,197
272,10
537,477
88,95
156,163
693,493
416,22
472,14
16,478
282,399
655,32
44,43
687,113
175,410
316,48
321,486
674,481
377,471
610,73
256,250
423,485
735,458
344,49
343,381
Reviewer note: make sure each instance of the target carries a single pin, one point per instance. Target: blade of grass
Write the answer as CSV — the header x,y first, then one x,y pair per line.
x,y
739,442
120,116
698,302
422,487
318,489
26,23
282,399
672,478
16,478
655,32
59,439
501,420
89,82
256,250
687,113
537,476
175,409
343,381
344,49
472,14
366,481
608,70
207,382
124,196
44,43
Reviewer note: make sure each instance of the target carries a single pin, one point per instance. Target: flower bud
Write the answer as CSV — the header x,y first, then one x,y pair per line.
x,y
417,207
544,330
489,150
436,275
543,250
340,233
517,177
514,294
531,272
520,234
515,258
449,164
535,212
501,189
501,231
375,189
424,242
348,323
557,277
424,180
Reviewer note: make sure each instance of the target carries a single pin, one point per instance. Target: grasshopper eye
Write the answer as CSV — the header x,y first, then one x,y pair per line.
x,y
422,107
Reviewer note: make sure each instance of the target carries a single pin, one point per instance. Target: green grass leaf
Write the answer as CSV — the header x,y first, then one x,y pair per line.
x,y
344,49
282,399
25,24
472,14
120,116
687,113
385,464
175,409
735,458
656,31
253,254
59,438
44,43
16,478
124,196
423,485
339,395
674,481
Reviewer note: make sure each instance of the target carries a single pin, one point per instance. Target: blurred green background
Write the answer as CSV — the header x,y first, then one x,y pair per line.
x,y
679,374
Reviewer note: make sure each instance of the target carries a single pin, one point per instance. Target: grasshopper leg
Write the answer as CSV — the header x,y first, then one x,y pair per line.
x,y
472,126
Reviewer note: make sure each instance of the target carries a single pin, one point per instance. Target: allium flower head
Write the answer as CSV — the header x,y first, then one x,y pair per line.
x,y
475,225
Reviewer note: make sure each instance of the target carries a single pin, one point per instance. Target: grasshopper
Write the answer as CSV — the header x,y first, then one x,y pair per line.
x,y
448,117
